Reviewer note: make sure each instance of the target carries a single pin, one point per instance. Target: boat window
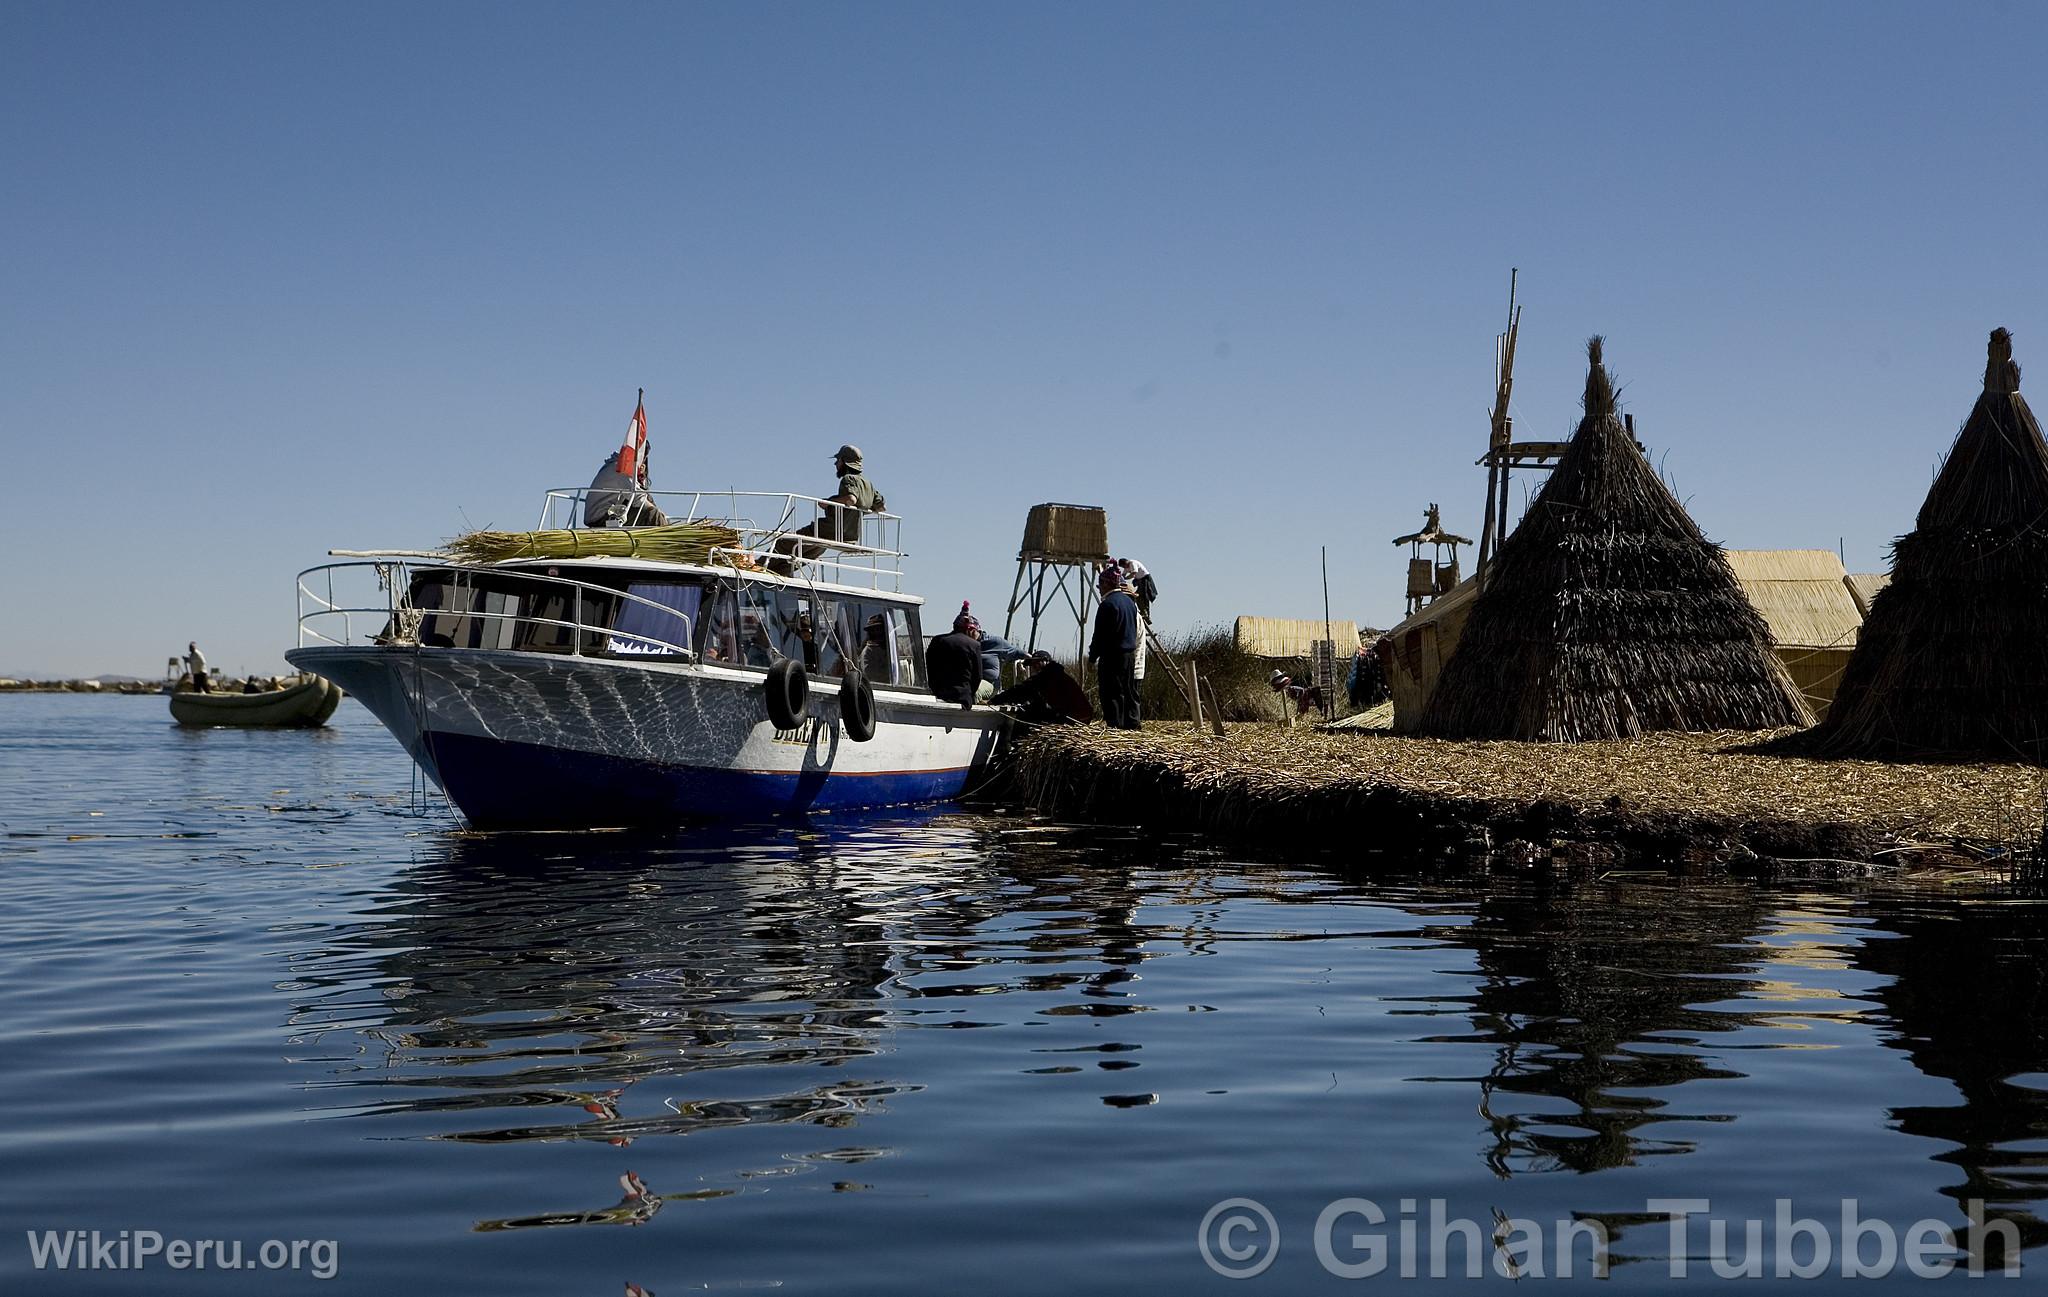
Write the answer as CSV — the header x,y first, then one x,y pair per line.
x,y
800,626
718,637
884,642
553,612
505,610
655,619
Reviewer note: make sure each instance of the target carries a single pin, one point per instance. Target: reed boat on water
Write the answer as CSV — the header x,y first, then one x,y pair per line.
x,y
618,689
307,702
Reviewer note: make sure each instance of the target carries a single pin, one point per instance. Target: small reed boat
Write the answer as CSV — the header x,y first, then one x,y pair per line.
x,y
307,701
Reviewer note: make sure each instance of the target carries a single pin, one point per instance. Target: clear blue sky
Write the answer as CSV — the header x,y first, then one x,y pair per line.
x,y
285,277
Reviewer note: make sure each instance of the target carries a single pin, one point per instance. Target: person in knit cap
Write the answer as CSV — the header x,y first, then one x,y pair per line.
x,y
1114,650
952,662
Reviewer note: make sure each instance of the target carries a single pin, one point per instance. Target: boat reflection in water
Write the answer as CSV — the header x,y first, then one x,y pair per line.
x,y
991,1002
520,988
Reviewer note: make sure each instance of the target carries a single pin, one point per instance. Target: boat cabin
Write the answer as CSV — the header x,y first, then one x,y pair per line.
x,y
839,605
606,608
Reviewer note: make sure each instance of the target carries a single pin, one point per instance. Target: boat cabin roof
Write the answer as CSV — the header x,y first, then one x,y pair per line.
x,y
770,524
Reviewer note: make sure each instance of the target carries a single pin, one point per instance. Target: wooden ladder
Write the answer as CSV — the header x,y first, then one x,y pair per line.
x,y
1192,687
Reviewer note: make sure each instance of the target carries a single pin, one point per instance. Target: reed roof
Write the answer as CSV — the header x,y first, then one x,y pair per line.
x,y
1863,588
1803,595
1951,659
1607,613
1293,637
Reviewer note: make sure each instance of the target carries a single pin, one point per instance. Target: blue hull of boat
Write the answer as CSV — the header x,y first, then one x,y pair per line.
x,y
502,784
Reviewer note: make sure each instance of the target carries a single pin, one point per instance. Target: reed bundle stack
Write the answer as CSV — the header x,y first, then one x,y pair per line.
x,y
685,542
1608,614
1953,658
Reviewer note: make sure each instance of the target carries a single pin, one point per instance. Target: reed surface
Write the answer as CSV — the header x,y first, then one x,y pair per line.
x,y
1658,792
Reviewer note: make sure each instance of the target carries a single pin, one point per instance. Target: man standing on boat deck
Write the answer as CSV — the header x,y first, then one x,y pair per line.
x,y
842,513
1114,650
952,662
195,662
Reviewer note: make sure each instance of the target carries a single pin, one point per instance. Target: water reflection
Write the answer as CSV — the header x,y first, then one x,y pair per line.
x,y
546,977
524,989
1968,1002
1590,995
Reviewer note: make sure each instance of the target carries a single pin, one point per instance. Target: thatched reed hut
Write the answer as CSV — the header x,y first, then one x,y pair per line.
x,y
1808,603
1951,661
1607,613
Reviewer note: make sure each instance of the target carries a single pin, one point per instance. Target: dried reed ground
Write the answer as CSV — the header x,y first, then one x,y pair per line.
x,y
1670,779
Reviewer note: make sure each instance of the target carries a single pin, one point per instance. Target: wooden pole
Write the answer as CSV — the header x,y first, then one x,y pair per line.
x,y
1329,638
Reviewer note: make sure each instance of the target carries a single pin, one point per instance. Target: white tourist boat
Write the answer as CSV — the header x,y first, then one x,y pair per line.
x,y
602,691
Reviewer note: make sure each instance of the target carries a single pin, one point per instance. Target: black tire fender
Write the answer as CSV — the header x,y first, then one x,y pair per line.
x,y
787,689
857,707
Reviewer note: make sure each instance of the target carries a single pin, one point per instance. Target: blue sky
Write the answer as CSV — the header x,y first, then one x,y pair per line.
x,y
286,277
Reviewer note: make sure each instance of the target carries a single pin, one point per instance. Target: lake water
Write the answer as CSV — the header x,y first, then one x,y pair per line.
x,y
252,988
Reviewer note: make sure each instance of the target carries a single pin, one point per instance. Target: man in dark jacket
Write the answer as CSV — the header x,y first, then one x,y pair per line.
x,y
952,662
1114,650
1046,695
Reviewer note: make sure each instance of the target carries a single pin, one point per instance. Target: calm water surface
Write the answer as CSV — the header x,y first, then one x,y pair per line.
x,y
249,989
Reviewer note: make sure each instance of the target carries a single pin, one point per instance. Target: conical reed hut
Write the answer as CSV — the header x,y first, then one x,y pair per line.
x,y
1607,614
1953,658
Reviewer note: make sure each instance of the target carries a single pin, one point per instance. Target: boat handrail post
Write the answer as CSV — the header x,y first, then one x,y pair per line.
x,y
576,615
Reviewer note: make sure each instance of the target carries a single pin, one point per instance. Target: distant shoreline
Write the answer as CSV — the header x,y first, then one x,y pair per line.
x,y
81,687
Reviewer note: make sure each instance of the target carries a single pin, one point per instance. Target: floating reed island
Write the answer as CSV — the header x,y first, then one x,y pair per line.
x,y
1664,798
1614,693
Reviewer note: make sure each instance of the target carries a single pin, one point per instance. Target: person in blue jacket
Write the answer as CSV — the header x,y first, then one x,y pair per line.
x,y
995,650
1114,650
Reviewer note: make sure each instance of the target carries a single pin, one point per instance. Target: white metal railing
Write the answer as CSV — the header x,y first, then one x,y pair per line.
x,y
797,529
398,622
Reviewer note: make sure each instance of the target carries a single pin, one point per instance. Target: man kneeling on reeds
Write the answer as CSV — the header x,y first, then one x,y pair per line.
x,y
1114,650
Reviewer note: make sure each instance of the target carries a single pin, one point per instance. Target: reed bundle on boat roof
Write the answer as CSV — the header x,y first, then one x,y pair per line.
x,y
1607,613
683,542
1953,657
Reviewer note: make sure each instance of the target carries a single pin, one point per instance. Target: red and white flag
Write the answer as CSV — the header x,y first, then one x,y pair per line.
x,y
635,448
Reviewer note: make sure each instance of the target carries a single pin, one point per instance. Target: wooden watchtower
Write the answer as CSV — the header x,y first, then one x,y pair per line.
x,y
1433,575
1064,546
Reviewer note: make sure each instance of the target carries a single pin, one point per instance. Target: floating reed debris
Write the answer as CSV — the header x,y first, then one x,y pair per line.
x,y
1661,796
683,542
1607,613
1951,660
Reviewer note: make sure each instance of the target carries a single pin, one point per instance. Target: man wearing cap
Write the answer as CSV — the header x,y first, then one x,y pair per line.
x,y
1114,650
841,520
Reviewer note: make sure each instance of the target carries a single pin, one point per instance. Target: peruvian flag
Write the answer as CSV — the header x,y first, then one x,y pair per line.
x,y
636,439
